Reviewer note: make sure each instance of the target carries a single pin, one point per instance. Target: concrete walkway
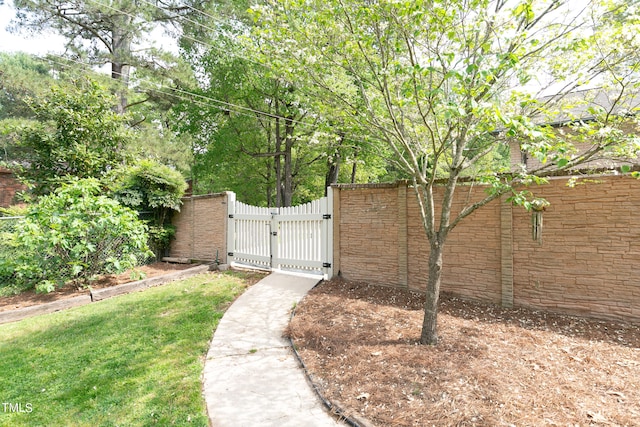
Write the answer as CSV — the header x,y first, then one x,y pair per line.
x,y
251,377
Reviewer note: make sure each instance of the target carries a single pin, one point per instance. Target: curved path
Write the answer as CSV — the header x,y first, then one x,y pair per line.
x,y
251,377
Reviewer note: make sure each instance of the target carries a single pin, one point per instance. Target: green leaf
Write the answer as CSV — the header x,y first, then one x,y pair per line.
x,y
76,269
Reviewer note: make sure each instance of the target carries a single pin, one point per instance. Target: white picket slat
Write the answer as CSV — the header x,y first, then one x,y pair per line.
x,y
292,238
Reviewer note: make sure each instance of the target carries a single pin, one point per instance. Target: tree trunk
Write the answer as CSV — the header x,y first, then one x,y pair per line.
x,y
333,164
333,171
288,166
276,159
354,166
269,166
429,333
121,54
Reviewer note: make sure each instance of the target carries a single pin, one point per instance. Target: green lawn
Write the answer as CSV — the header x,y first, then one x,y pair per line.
x,y
134,360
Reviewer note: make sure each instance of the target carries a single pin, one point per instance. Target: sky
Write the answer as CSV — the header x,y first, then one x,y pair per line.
x,y
49,42
39,44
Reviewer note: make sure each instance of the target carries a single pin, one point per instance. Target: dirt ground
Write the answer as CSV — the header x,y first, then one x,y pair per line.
x,y
30,298
492,366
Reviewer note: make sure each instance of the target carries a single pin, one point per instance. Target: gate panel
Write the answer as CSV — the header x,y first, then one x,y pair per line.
x,y
293,238
250,231
300,240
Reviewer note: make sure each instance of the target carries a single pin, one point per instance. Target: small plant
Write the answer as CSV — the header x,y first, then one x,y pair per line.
x,y
137,274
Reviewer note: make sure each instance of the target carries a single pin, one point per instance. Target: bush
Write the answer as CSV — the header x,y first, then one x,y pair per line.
x,y
75,133
156,191
7,254
73,235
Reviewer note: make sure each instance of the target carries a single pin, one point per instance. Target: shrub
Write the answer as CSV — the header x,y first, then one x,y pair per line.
x,y
75,133
73,235
154,190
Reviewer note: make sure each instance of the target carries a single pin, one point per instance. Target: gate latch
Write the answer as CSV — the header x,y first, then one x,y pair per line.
x,y
274,233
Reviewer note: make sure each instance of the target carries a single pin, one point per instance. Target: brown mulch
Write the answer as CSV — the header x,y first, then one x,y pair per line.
x,y
30,298
492,366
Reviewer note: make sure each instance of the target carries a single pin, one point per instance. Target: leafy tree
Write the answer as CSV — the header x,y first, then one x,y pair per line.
x,y
254,119
262,147
77,134
155,191
26,77
257,134
107,32
73,235
442,83
22,77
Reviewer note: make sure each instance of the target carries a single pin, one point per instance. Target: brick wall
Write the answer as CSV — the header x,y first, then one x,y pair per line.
x,y
583,265
201,228
9,186
367,233
586,262
381,240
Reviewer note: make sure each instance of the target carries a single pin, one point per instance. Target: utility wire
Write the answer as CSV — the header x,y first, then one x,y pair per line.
x,y
171,92
202,99
193,39
228,105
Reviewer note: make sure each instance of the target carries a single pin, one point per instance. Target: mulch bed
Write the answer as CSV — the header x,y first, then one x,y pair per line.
x,y
492,366
31,298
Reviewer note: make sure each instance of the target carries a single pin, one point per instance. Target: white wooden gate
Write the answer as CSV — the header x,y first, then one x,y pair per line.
x,y
298,238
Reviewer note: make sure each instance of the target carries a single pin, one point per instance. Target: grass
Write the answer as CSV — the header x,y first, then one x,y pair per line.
x,y
135,360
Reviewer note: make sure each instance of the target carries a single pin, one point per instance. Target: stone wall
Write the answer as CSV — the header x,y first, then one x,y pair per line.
x,y
584,263
201,228
587,262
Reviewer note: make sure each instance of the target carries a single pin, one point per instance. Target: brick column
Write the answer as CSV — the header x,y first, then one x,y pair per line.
x,y
506,251
192,237
336,230
403,258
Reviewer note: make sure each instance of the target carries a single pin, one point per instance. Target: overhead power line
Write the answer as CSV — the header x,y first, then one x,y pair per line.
x,y
238,109
203,99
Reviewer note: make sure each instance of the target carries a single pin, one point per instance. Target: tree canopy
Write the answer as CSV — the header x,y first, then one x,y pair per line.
x,y
258,134
444,85
116,33
75,134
